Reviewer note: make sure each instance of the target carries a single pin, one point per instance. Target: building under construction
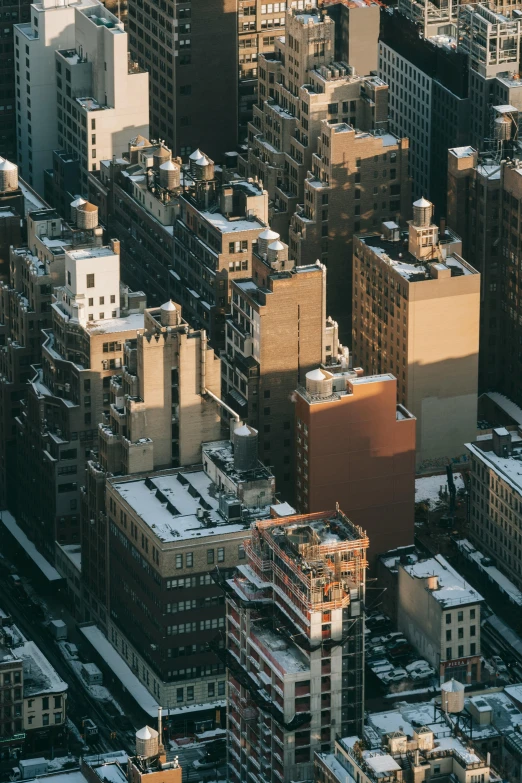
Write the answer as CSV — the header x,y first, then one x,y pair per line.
x,y
295,645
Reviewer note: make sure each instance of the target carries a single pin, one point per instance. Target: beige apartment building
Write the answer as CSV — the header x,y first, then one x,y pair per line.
x,y
35,268
439,612
300,85
277,331
92,316
165,401
496,500
357,180
416,315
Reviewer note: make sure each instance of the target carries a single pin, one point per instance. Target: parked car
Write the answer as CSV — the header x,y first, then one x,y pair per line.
x,y
380,671
422,674
396,675
376,652
377,620
420,664
390,637
400,650
499,665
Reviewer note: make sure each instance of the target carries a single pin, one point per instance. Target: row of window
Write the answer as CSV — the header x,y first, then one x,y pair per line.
x,y
192,627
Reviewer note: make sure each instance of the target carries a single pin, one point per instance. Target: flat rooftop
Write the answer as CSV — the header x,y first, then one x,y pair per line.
x,y
91,252
398,257
39,675
226,226
507,468
169,504
221,452
452,589
296,535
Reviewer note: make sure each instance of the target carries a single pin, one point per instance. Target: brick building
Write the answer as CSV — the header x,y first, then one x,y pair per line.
x,y
416,315
357,180
356,446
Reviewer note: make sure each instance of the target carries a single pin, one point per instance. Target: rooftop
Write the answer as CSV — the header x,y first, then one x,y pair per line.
x,y
176,506
221,452
508,468
398,257
226,226
484,565
452,589
39,676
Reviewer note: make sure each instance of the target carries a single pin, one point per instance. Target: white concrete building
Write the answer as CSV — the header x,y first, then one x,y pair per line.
x,y
91,295
76,88
439,612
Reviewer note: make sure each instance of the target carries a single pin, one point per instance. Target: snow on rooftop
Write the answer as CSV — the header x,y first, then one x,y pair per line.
x,y
172,515
283,654
39,675
32,200
380,762
504,584
127,323
507,468
226,226
452,589
507,405
111,773
430,488
29,548
116,663
283,509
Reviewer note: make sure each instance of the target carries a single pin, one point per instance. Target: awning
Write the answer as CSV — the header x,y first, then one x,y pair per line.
x,y
29,548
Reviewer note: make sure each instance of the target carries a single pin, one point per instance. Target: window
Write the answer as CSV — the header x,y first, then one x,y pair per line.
x,y
461,633
448,636
241,552
57,702
179,561
189,559
90,281
449,653
448,619
221,688
461,650
179,695
210,556
45,703
211,689
460,617
102,300
473,648
57,717
221,554
472,630
471,614
113,299
190,693
45,719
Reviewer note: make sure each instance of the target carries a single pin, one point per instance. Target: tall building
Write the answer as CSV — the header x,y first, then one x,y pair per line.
x,y
92,316
295,645
355,445
429,97
166,531
35,268
449,67
358,180
76,83
301,84
276,332
496,500
474,211
12,13
190,50
184,228
439,612
12,213
416,315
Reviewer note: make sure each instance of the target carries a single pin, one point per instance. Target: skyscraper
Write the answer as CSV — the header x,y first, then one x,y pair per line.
x,y
190,51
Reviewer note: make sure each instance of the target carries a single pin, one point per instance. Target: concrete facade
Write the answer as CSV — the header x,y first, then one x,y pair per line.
x,y
356,446
77,84
304,641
